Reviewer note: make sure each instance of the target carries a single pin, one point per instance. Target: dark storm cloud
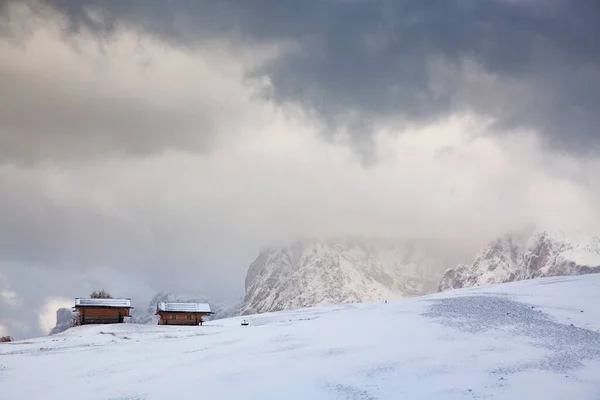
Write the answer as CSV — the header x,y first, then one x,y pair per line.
x,y
376,56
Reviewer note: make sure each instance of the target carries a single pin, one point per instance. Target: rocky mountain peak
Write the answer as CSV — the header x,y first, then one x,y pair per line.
x,y
318,272
64,320
543,254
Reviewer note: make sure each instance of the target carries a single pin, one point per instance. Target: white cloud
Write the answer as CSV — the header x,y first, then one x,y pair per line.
x,y
283,181
9,297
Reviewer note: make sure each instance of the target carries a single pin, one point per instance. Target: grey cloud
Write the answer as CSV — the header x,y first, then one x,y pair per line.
x,y
375,56
43,119
35,230
66,97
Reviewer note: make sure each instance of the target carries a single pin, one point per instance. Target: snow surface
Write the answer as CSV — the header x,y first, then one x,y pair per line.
x,y
184,307
534,339
103,302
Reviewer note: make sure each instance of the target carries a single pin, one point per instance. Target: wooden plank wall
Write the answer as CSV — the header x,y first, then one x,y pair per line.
x,y
172,318
99,315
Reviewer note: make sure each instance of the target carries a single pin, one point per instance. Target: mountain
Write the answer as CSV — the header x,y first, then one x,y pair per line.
x,y
316,272
64,320
543,254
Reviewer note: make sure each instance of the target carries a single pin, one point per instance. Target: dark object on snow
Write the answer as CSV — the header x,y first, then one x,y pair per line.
x,y
6,339
245,323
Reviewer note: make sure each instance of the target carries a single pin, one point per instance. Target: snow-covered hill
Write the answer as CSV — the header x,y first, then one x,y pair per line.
x,y
544,254
311,273
534,339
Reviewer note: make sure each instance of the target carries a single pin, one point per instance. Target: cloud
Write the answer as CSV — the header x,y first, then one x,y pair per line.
x,y
12,320
8,298
145,156
377,58
131,95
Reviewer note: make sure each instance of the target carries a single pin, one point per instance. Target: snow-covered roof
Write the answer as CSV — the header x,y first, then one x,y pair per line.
x,y
102,302
184,307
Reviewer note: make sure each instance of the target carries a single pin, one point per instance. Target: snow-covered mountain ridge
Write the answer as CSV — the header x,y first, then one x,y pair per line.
x,y
318,272
543,254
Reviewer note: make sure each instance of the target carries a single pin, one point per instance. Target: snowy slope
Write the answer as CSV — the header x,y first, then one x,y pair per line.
x,y
534,339
312,273
544,254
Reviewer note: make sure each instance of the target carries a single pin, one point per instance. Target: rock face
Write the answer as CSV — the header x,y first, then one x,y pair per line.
x,y
544,254
64,320
311,273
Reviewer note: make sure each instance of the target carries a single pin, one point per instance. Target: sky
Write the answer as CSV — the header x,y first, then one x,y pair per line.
x,y
159,146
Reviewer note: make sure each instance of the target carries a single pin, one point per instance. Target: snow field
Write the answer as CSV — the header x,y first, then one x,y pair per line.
x,y
523,340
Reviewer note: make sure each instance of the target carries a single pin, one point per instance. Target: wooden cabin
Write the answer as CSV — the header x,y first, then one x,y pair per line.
x,y
182,313
102,311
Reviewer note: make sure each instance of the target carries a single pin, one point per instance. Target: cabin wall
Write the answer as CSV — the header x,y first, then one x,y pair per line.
x,y
101,315
180,318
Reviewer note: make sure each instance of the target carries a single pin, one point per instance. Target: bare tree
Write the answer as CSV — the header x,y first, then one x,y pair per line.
x,y
101,294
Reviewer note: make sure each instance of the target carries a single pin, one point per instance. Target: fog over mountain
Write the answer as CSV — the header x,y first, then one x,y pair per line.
x,y
311,273
153,146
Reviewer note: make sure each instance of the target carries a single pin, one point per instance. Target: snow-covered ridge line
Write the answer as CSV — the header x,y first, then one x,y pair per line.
x,y
543,254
